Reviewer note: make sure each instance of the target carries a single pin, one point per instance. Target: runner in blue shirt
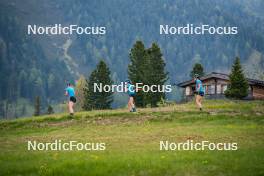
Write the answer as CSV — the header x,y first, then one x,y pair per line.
x,y
131,93
199,91
70,92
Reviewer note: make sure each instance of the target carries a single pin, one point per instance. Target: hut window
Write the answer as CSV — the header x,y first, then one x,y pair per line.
x,y
219,89
187,90
211,89
224,87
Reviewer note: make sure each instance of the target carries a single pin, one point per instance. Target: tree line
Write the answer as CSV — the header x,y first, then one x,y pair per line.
x,y
146,66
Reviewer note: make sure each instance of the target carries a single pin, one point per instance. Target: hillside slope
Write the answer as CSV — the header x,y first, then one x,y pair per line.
x,y
40,65
132,141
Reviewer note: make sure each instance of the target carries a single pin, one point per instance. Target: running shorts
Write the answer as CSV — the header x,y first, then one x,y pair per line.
x,y
73,99
201,94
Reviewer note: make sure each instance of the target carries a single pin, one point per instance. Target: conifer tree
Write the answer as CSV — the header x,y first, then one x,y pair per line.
x,y
89,94
95,99
197,69
148,67
238,87
157,74
136,70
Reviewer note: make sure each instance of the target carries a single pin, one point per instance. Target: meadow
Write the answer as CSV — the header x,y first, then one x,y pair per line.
x,y
133,141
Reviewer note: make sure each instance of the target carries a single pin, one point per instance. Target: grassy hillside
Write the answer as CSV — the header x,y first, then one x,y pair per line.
x,y
40,65
133,139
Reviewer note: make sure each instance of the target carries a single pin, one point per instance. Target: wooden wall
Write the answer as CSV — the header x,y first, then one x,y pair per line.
x,y
220,85
258,92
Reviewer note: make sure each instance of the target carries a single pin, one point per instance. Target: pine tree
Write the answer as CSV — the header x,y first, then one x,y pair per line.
x,y
238,87
136,70
50,110
37,106
197,69
148,67
157,74
89,94
98,100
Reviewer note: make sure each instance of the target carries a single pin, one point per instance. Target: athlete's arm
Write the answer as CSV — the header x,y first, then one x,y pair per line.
x,y
198,87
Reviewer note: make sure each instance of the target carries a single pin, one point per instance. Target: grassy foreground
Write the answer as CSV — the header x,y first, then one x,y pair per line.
x,y
132,141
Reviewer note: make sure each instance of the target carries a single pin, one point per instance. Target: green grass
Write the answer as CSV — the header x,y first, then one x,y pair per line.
x,y
132,141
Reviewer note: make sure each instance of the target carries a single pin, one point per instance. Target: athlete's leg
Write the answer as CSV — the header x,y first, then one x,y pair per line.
x,y
200,102
201,99
129,104
71,107
133,104
198,98
131,100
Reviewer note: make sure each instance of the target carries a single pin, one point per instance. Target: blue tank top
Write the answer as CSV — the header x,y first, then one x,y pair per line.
x,y
200,85
130,89
70,91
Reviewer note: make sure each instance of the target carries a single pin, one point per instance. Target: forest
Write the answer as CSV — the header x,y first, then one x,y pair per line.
x,y
41,65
